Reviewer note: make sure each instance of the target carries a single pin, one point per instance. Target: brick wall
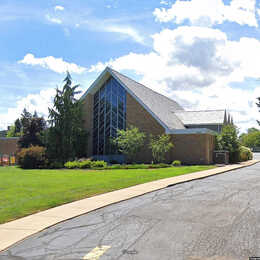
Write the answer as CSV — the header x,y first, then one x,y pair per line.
x,y
192,148
189,148
8,145
138,116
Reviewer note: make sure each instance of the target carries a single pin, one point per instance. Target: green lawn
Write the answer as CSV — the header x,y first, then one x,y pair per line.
x,y
23,192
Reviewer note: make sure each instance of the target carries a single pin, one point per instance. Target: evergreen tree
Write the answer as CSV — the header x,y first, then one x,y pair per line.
x,y
18,126
66,138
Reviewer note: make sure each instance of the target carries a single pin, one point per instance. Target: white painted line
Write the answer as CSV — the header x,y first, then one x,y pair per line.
x,y
95,253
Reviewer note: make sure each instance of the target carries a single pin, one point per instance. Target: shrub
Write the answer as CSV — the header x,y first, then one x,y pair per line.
x,y
98,164
228,140
71,165
159,165
55,165
114,162
33,157
85,164
176,163
129,142
245,154
160,145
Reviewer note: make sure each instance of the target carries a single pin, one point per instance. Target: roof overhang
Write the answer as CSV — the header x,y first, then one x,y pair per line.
x,y
191,131
217,123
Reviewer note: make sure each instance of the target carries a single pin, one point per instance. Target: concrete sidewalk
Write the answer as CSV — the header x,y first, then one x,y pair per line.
x,y
20,229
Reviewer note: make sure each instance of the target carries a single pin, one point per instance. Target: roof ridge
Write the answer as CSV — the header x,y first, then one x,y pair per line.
x,y
145,86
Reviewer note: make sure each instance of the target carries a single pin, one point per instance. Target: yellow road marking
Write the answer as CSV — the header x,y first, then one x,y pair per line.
x,y
95,253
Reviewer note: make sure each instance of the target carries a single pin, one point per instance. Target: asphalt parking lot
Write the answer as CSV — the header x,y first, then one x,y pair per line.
x,y
213,218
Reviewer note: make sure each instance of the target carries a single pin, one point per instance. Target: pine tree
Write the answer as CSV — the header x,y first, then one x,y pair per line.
x,y
67,138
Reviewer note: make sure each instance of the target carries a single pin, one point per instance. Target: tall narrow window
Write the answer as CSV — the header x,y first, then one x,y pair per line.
x,y
109,115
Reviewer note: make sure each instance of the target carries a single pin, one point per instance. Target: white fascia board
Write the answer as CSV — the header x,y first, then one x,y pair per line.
x,y
140,101
192,131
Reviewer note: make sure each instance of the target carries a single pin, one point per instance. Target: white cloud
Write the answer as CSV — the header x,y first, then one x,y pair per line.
x,y
33,102
125,30
59,8
201,12
53,19
196,66
163,2
55,64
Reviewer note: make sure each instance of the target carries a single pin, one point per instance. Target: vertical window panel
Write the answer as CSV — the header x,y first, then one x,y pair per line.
x,y
109,114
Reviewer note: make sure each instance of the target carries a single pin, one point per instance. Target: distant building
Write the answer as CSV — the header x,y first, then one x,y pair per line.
x,y
115,101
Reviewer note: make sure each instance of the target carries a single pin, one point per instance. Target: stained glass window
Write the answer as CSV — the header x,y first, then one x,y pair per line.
x,y
109,115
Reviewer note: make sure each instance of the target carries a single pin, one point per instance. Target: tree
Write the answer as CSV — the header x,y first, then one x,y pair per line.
x,y
66,138
129,142
32,127
251,138
252,130
160,145
228,140
15,130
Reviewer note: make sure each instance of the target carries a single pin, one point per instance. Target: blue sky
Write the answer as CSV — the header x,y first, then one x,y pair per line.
x,y
205,55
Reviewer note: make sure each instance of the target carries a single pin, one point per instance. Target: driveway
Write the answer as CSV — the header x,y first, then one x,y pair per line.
x,y
208,219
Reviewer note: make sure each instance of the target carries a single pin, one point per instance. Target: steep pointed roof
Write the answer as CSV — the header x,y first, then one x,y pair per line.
x,y
160,107
165,110
225,118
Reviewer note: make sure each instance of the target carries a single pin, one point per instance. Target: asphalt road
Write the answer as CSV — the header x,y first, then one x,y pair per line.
x,y
213,218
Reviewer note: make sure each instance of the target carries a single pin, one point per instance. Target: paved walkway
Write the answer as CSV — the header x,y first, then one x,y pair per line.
x,y
20,229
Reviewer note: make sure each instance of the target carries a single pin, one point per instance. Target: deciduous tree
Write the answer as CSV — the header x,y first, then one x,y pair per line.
x,y
160,145
129,142
32,127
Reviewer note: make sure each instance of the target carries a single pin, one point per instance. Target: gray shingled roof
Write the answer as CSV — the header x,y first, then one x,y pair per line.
x,y
165,110
205,117
163,107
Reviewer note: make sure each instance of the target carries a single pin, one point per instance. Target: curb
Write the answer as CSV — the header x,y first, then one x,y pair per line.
x,y
20,229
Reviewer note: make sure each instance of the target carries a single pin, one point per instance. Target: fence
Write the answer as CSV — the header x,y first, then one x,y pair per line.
x,y
7,159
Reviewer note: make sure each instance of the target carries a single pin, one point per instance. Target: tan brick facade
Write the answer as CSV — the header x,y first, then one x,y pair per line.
x,y
192,148
137,115
188,148
8,146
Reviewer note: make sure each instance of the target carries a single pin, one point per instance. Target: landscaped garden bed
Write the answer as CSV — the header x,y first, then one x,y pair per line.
x,y
23,192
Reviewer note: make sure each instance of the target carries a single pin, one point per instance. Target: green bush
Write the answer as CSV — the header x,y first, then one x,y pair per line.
x,y
55,165
85,164
71,165
176,163
159,165
245,154
160,145
33,157
228,140
98,164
